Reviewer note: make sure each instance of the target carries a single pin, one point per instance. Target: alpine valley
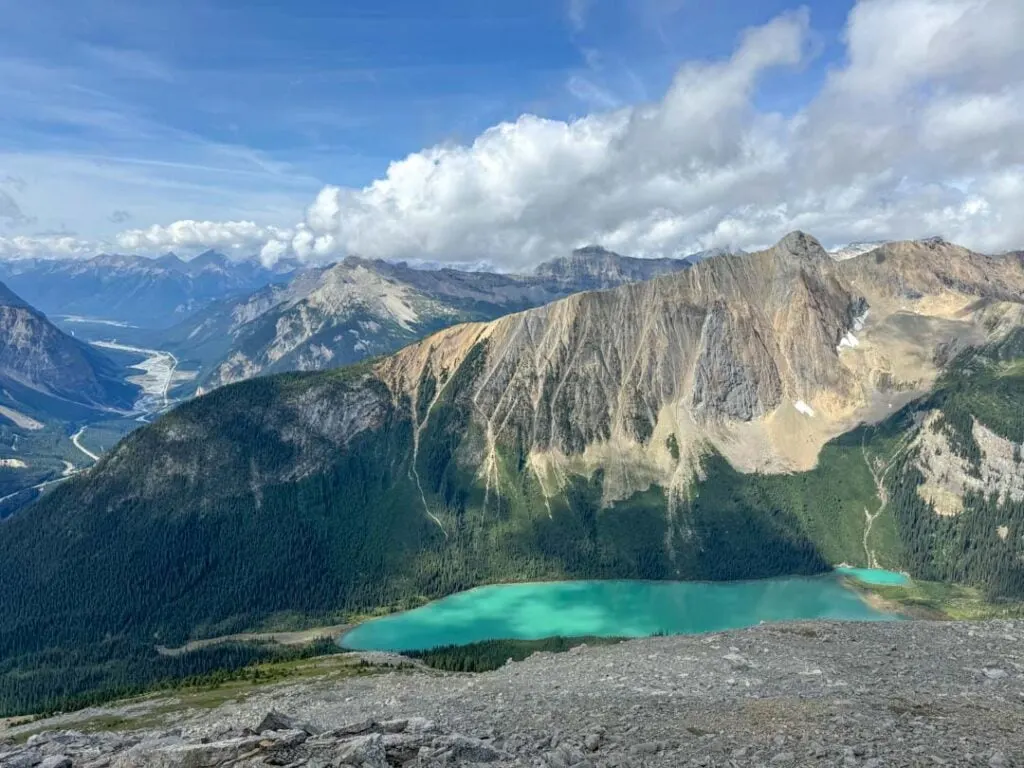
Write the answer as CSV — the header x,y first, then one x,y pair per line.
x,y
49,381
178,328
754,415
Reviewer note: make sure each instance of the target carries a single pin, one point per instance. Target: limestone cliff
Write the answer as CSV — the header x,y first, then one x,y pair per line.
x,y
764,357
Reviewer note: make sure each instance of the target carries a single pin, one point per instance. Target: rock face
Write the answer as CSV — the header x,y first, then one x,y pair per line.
x,y
596,268
41,364
326,318
763,356
948,476
880,694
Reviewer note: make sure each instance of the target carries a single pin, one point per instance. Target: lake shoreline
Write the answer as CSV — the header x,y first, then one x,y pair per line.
x,y
614,608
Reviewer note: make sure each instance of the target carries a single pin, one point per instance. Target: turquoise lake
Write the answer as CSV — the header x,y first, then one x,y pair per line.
x,y
615,609
875,576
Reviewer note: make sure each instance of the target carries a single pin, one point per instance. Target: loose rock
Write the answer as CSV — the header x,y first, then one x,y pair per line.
x,y
877,694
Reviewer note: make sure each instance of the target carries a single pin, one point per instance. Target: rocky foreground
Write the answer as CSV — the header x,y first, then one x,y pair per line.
x,y
882,694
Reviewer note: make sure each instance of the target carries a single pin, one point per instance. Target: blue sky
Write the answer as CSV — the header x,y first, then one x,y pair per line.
x,y
125,114
319,91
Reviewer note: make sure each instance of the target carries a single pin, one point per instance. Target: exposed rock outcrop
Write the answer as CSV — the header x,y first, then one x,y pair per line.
x,y
37,357
764,356
948,476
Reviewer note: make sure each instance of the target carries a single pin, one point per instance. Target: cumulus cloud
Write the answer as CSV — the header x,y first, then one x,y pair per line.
x,y
919,131
193,235
44,246
639,179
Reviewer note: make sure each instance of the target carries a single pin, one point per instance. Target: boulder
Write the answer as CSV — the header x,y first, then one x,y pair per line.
x,y
363,751
463,749
353,729
209,755
278,721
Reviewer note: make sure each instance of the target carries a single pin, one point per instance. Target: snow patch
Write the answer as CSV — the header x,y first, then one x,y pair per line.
x,y
849,340
804,408
853,250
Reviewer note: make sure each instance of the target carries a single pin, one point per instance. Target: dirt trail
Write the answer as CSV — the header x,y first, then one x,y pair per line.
x,y
300,637
880,489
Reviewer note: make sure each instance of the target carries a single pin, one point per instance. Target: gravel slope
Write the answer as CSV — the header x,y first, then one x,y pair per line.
x,y
883,694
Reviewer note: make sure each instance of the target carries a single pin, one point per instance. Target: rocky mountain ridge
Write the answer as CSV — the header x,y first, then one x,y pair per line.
x,y
744,354
327,317
596,268
40,363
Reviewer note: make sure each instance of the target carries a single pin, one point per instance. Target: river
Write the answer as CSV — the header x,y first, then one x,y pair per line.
x,y
159,372
613,609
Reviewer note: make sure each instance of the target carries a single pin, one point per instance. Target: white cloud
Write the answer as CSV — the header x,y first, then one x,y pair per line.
x,y
193,235
640,179
52,246
920,131
897,44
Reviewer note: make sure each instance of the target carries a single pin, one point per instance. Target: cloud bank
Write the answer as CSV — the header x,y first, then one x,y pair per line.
x,y
919,131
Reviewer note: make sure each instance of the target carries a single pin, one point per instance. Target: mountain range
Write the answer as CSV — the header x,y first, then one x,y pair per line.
x,y
149,293
332,316
777,412
303,319
772,413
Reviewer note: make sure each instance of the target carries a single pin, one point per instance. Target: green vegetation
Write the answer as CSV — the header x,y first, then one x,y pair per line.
x,y
60,680
825,505
931,599
986,385
493,654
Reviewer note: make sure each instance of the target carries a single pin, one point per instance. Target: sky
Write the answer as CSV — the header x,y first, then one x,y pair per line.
x,y
506,131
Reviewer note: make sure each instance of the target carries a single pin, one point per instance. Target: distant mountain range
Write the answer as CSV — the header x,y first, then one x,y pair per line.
x,y
851,250
149,293
333,316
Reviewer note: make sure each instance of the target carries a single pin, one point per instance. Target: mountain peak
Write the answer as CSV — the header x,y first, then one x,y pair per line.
x,y
802,246
594,267
170,261
590,251
209,258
